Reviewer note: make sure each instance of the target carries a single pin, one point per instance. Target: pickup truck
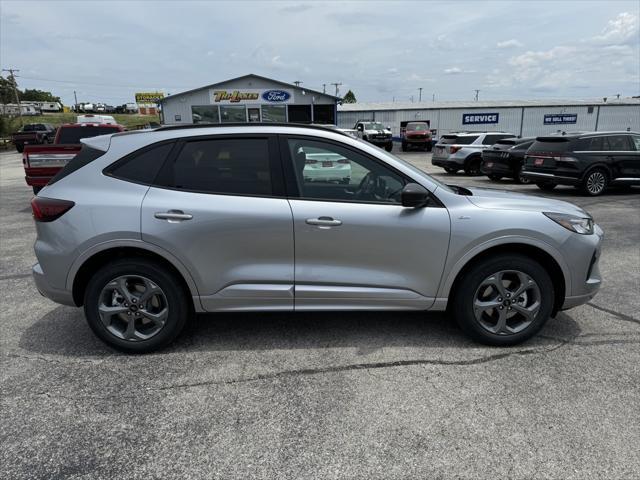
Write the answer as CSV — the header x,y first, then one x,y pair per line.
x,y
33,134
374,132
42,162
415,134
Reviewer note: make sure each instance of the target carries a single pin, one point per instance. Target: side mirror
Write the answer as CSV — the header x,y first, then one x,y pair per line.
x,y
414,195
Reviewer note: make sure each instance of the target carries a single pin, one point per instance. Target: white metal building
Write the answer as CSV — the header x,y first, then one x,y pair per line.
x,y
524,118
250,98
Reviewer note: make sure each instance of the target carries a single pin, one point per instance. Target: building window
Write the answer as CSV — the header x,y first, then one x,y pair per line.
x,y
274,113
233,114
324,114
205,114
300,113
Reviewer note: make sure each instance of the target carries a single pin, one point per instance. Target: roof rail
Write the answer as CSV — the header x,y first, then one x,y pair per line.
x,y
314,126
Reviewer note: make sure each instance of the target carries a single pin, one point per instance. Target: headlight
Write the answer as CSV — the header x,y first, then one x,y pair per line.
x,y
581,225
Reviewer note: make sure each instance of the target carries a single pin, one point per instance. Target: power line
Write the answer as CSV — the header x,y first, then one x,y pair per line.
x,y
477,92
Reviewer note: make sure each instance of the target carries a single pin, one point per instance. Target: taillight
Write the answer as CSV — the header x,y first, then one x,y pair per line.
x,y
454,149
310,161
48,209
343,160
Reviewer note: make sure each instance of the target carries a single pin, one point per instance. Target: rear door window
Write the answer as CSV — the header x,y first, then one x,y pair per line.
x,y
617,143
636,142
550,145
231,166
591,144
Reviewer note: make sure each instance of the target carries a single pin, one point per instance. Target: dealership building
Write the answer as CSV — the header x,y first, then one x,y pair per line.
x,y
524,118
250,98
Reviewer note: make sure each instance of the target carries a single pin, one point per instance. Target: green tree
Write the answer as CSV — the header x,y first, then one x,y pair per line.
x,y
34,95
349,97
7,95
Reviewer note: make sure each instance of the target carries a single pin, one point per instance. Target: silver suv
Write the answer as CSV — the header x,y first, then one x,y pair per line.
x,y
145,228
463,151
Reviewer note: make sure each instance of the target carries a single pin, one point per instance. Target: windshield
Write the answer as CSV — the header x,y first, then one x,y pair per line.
x,y
33,127
73,135
373,126
417,127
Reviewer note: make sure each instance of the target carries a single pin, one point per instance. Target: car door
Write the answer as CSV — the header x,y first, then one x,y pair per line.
x,y
218,206
622,155
356,247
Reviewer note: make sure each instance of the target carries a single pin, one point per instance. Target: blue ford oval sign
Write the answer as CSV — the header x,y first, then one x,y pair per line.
x,y
276,96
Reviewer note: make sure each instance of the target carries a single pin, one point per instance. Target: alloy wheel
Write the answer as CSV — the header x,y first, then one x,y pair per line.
x,y
596,182
133,308
506,302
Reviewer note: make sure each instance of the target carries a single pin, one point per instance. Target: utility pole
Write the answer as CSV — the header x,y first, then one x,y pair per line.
x,y
324,88
15,89
433,98
477,92
420,96
297,82
75,107
337,85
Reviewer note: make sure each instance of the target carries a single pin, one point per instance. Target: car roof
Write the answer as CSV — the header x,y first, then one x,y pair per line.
x,y
575,135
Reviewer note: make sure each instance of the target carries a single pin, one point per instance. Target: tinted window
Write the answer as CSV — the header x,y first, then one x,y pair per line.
x,y
466,140
227,166
84,157
34,127
491,139
591,144
72,135
636,142
325,171
143,166
523,146
619,143
550,145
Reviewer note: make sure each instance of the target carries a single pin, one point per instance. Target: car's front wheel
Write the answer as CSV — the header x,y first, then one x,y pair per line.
x,y
472,166
136,305
503,300
388,147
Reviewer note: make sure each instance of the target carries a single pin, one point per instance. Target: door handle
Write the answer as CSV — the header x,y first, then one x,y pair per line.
x,y
323,222
173,216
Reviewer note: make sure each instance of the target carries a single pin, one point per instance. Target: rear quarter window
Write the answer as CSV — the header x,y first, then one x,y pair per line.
x,y
141,166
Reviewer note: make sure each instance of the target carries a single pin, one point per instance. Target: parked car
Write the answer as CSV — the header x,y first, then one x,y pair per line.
x,y
323,166
42,162
33,134
415,134
109,109
374,132
505,159
144,228
589,161
463,151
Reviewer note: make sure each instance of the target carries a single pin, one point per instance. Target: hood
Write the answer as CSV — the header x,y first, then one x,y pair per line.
x,y
505,200
388,132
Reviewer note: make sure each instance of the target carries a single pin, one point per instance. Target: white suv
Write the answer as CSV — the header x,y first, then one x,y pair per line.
x,y
463,151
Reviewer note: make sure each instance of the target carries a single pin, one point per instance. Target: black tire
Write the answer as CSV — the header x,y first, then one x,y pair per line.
x,y
404,147
177,303
494,177
472,166
20,148
547,187
388,147
36,190
517,176
450,170
429,147
469,285
595,182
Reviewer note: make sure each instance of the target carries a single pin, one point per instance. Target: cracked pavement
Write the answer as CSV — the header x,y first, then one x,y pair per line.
x,y
323,395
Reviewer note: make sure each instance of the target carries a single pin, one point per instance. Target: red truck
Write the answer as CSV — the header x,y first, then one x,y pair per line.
x,y
415,133
33,134
42,162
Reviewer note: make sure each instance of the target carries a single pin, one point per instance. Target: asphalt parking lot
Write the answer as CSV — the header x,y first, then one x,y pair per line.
x,y
331,395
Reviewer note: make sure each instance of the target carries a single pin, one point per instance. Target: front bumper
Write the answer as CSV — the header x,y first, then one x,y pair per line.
x,y
490,167
583,256
46,290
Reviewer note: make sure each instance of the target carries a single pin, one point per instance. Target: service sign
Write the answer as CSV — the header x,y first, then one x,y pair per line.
x,y
250,96
560,118
149,97
480,118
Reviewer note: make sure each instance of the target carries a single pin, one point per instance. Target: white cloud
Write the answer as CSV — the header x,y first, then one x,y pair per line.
x,y
513,43
622,29
456,71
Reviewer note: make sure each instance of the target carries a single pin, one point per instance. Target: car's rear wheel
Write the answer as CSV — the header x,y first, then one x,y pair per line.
x,y
547,187
494,177
19,148
136,305
595,182
388,147
519,178
404,147
472,167
451,170
503,300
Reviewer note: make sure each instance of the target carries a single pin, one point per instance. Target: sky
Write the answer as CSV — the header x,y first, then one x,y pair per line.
x,y
383,51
